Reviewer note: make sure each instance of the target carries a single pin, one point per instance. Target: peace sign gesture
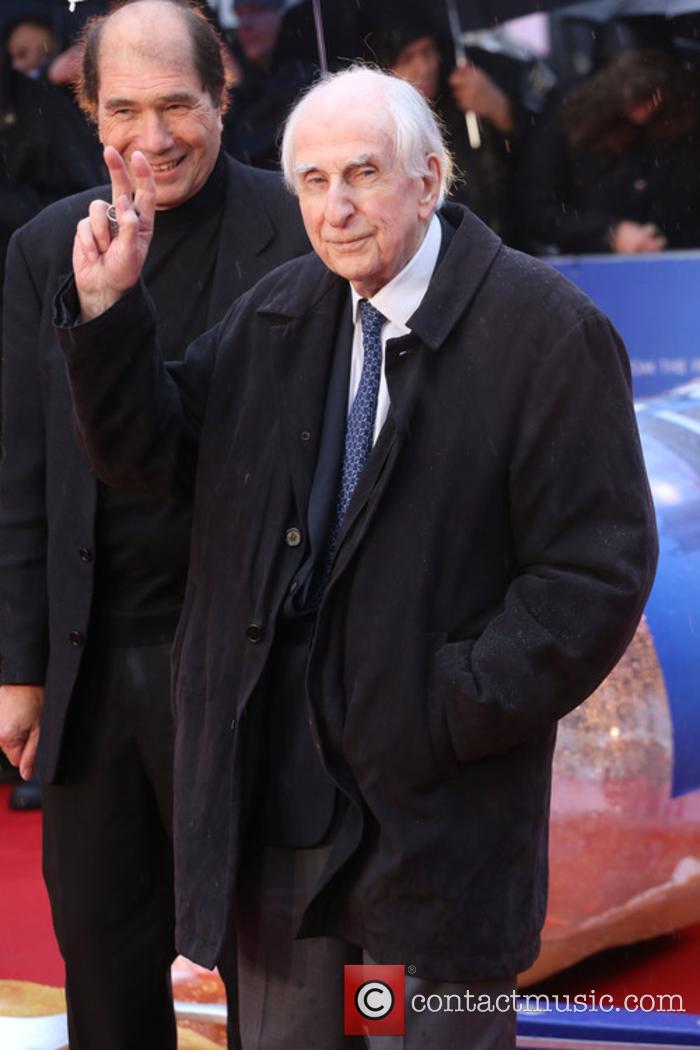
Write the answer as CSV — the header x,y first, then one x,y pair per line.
x,y
106,266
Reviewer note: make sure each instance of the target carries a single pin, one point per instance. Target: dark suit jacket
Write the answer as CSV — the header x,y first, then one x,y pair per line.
x,y
47,491
491,569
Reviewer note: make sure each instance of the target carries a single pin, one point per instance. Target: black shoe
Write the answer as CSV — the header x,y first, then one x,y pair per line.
x,y
26,796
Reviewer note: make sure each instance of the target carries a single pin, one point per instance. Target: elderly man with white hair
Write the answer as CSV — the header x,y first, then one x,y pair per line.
x,y
422,534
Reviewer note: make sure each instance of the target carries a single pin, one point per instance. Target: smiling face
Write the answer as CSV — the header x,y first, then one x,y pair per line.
x,y
150,98
364,216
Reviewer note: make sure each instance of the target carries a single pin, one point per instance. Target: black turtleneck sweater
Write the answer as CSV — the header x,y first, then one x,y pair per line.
x,y
142,541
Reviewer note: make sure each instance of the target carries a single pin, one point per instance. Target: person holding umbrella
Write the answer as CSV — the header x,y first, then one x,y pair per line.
x,y
270,70
503,92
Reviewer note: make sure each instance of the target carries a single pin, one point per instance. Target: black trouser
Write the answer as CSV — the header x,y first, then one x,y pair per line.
x,y
108,852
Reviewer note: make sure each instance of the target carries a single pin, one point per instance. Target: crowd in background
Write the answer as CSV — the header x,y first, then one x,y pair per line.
x,y
594,149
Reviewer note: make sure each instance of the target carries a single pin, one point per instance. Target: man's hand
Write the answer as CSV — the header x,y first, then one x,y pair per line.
x,y
20,711
628,238
105,267
475,91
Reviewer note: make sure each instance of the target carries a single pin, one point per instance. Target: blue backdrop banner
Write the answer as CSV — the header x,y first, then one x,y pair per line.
x,y
653,301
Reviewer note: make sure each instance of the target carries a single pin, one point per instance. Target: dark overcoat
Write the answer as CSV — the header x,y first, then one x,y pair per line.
x,y
48,494
491,569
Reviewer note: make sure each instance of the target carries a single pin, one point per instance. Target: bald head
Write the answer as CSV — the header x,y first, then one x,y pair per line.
x,y
378,99
153,30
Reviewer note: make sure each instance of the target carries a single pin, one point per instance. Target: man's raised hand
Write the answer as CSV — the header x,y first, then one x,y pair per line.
x,y
106,267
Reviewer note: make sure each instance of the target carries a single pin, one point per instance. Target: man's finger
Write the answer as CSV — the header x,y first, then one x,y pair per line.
x,y
26,765
13,745
85,240
118,173
100,224
129,222
145,189
13,753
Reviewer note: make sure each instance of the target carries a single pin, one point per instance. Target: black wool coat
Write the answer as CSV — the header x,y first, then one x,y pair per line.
x,y
48,494
491,569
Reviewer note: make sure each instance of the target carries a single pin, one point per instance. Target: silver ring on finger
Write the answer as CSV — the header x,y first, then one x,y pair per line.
x,y
112,220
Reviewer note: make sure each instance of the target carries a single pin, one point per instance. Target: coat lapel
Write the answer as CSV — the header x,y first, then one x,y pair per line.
x,y
301,345
246,225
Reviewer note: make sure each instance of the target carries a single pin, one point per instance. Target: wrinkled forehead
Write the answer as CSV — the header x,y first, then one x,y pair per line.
x,y
332,129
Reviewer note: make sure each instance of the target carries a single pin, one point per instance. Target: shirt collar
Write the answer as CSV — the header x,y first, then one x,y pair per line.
x,y
400,298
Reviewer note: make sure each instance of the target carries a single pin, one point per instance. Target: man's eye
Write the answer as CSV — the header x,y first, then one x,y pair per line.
x,y
175,107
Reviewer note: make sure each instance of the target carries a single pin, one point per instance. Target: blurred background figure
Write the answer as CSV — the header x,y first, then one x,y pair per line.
x,y
46,150
274,55
39,35
616,166
503,86
259,24
31,45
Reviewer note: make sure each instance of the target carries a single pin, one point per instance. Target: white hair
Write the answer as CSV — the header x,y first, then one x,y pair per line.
x,y
417,129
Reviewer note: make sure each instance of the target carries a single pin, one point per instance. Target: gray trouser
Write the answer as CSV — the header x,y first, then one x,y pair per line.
x,y
290,992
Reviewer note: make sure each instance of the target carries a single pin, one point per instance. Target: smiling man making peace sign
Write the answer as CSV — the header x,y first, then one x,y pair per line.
x,y
91,579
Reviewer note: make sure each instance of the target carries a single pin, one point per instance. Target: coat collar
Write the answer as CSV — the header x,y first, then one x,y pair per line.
x,y
245,224
470,250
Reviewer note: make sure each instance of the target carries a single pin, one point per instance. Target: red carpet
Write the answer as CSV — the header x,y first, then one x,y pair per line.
x,y
28,950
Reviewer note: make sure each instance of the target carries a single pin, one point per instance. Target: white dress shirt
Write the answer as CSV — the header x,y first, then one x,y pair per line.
x,y
397,301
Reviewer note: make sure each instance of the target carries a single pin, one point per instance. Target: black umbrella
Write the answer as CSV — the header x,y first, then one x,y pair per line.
x,y
607,10
462,14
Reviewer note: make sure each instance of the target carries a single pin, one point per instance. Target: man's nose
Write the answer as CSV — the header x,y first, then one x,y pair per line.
x,y
155,133
339,205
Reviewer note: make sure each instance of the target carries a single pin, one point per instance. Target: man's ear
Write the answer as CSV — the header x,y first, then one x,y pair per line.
x,y
430,190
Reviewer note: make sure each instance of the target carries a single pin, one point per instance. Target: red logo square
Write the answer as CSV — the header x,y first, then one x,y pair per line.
x,y
374,1000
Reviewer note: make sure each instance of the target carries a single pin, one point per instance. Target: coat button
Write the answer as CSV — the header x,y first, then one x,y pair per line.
x,y
254,633
305,436
85,554
76,638
292,537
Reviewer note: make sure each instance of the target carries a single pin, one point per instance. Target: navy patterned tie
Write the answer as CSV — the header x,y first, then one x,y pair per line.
x,y
360,426
359,429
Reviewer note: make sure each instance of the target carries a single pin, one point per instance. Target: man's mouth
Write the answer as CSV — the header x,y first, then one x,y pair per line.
x,y
349,243
165,166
